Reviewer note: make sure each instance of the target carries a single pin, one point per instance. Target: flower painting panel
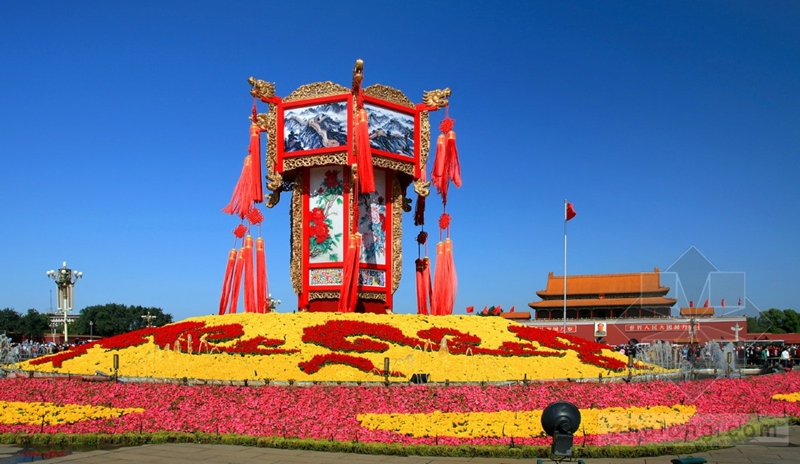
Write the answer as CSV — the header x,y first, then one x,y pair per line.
x,y
315,127
390,131
325,276
372,222
372,278
325,217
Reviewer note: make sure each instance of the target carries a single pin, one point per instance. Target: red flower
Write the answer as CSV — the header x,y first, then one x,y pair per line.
x,y
332,178
317,215
321,232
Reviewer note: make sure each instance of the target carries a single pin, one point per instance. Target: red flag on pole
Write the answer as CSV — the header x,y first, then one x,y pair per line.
x,y
511,310
691,304
570,211
706,304
470,309
723,302
485,310
740,301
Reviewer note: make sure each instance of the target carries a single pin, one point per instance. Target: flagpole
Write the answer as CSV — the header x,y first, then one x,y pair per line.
x,y
565,266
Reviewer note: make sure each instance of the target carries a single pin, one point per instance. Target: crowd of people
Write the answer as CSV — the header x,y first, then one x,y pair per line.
x,y
16,352
747,354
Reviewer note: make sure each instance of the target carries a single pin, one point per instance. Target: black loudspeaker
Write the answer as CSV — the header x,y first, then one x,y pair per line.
x,y
561,420
420,378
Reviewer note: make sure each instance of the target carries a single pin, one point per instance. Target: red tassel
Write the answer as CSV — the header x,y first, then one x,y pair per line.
x,y
257,192
241,200
438,178
237,280
363,153
423,285
226,283
453,166
444,282
261,277
349,292
249,281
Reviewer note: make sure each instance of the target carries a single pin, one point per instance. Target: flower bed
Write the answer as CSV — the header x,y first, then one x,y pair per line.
x,y
613,413
342,348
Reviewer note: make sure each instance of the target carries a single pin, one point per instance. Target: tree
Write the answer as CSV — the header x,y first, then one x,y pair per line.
x,y
33,325
792,321
772,320
9,321
114,318
754,326
775,321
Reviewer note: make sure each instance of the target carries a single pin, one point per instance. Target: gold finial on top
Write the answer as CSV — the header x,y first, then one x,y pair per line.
x,y
358,73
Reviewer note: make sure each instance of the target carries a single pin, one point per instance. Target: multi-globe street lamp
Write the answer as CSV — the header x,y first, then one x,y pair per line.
x,y
65,279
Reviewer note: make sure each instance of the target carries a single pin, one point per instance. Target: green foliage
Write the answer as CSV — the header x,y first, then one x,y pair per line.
x,y
754,326
33,325
775,321
9,321
114,319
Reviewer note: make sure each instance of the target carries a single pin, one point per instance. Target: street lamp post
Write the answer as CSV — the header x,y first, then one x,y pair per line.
x,y
65,279
148,318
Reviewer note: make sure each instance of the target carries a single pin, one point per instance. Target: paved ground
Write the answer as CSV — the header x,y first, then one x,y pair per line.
x,y
782,446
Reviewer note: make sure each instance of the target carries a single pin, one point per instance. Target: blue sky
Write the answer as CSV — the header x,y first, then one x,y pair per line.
x,y
668,124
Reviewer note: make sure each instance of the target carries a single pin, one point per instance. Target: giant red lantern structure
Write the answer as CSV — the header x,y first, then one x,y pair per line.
x,y
349,157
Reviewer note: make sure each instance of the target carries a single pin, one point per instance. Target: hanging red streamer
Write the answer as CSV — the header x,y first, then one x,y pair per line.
x,y
257,189
446,165
364,153
438,176
349,292
453,164
224,299
423,285
440,297
241,200
237,281
262,290
249,274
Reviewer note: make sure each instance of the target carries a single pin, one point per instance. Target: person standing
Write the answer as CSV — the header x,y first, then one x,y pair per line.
x,y
785,357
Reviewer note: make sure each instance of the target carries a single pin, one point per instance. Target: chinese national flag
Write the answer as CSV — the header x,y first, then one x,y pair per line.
x,y
497,310
570,211
485,310
511,310
470,309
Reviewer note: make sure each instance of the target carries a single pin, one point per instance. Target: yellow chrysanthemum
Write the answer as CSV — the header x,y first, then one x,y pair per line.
x,y
791,397
18,413
525,423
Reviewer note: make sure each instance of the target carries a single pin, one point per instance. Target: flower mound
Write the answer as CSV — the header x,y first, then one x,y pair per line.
x,y
342,348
